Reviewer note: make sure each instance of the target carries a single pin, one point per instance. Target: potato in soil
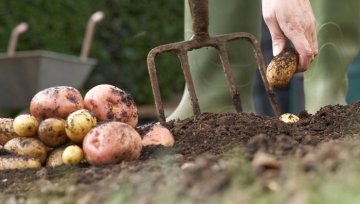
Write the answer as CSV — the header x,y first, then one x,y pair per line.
x,y
282,68
56,102
289,118
25,125
78,124
111,142
111,103
7,130
27,146
52,132
155,134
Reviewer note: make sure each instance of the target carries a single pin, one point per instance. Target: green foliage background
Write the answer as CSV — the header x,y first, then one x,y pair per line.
x,y
120,44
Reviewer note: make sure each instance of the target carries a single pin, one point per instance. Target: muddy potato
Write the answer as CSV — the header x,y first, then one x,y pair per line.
x,y
289,118
52,132
111,142
27,146
8,162
111,103
72,154
155,134
56,102
282,68
25,125
7,130
55,158
78,124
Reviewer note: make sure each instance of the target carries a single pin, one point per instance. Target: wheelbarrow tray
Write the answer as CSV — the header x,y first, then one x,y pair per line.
x,y
27,72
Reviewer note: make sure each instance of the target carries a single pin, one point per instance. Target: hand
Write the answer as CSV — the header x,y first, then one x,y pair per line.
x,y
292,19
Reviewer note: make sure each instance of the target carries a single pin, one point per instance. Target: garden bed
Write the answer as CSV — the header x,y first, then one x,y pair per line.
x,y
210,162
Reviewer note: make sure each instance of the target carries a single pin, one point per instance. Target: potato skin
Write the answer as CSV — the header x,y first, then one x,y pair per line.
x,y
155,134
111,142
52,132
8,162
7,130
78,124
56,102
111,103
27,146
282,68
72,154
25,125
289,118
55,158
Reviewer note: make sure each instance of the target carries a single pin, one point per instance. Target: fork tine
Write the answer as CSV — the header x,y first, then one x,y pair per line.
x,y
189,82
260,61
155,86
235,95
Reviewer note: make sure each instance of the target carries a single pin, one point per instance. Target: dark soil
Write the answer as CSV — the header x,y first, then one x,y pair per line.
x,y
209,134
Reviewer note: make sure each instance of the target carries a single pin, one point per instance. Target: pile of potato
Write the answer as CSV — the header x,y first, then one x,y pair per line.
x,y
65,128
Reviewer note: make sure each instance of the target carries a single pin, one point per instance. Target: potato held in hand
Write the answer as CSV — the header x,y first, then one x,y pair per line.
x,y
282,68
111,142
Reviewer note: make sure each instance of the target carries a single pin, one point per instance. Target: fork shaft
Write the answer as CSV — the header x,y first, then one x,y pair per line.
x,y
200,19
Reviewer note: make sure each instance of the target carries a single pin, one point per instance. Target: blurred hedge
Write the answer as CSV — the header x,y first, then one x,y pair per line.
x,y
120,44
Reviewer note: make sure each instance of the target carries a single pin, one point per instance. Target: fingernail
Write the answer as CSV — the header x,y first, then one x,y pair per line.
x,y
276,50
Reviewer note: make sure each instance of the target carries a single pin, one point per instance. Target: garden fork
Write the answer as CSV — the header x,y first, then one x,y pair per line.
x,y
201,38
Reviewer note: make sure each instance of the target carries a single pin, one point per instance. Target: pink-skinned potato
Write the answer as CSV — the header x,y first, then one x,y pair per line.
x,y
109,102
56,102
155,134
111,142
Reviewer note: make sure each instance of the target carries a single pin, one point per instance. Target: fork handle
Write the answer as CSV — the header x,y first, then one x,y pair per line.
x,y
199,10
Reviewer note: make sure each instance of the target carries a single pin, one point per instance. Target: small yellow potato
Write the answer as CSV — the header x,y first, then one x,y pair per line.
x,y
78,124
289,118
8,162
7,130
25,125
52,132
282,68
27,146
55,158
72,154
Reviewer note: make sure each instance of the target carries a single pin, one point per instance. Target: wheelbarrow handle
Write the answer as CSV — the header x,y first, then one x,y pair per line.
x,y
199,10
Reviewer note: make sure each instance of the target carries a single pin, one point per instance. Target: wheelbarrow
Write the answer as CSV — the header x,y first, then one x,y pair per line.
x,y
23,74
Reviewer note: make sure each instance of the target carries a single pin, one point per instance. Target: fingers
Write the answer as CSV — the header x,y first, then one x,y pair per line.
x,y
277,37
303,47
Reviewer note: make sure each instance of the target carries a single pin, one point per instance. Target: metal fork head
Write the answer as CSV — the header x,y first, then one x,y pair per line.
x,y
200,39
